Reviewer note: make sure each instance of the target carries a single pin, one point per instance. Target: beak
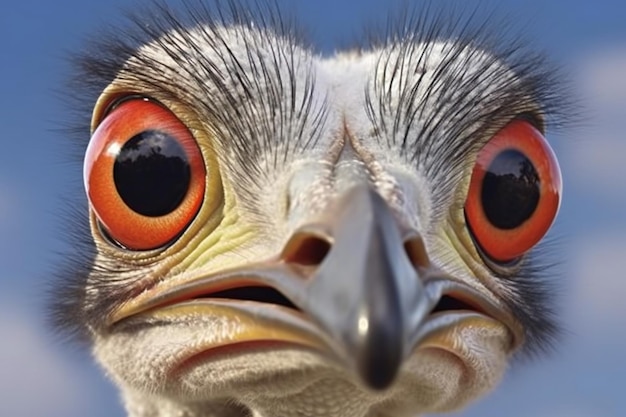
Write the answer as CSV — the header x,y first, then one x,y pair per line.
x,y
352,287
366,294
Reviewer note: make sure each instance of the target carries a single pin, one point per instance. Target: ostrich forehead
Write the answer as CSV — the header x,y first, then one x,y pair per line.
x,y
275,107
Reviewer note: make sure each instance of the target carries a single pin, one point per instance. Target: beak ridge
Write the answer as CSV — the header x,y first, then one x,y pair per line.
x,y
366,293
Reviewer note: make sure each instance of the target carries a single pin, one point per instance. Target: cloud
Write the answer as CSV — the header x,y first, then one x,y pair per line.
x,y
35,381
596,156
595,167
598,264
601,74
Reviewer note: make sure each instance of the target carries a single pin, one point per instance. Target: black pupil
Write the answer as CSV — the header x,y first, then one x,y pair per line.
x,y
511,188
152,173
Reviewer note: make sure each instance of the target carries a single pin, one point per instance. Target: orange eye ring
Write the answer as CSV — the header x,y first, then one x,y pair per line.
x,y
514,193
144,175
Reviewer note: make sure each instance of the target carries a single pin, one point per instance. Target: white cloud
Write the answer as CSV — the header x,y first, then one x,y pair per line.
x,y
598,268
595,165
602,74
596,157
34,381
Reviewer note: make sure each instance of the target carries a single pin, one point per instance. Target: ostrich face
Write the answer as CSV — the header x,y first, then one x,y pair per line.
x,y
339,235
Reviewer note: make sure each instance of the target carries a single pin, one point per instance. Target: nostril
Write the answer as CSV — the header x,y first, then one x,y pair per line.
x,y
416,251
306,250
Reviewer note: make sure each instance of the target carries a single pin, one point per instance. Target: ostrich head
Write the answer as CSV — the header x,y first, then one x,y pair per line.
x,y
278,232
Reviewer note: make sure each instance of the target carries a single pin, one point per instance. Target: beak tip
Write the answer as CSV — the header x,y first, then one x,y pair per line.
x,y
379,354
378,373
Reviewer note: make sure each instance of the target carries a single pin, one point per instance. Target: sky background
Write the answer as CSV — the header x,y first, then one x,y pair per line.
x,y
586,377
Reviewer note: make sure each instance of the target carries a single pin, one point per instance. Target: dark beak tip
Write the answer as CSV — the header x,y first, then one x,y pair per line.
x,y
380,376
379,360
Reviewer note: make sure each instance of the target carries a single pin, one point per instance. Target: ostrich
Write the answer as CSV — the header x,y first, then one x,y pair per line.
x,y
275,232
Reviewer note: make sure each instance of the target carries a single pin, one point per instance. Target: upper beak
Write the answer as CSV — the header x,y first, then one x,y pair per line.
x,y
365,290
366,294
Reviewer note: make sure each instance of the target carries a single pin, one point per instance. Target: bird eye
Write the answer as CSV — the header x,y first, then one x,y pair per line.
x,y
144,174
514,192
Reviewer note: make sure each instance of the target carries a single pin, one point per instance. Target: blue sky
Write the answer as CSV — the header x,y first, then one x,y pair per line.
x,y
586,377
